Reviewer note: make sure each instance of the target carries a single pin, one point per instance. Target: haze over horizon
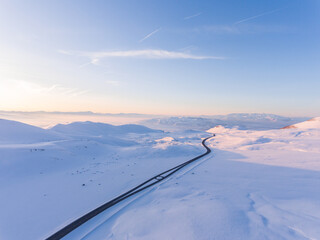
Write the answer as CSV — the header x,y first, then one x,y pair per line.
x,y
149,57
128,114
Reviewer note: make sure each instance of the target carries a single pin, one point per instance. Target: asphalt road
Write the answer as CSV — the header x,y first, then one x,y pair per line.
x,y
150,182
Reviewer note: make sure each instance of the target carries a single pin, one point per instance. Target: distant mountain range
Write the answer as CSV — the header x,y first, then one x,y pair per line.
x,y
253,121
17,132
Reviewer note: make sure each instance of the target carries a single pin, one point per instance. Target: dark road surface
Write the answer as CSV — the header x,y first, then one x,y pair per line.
x,y
152,181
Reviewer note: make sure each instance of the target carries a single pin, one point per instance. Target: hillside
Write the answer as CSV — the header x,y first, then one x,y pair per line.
x,y
311,123
99,129
17,132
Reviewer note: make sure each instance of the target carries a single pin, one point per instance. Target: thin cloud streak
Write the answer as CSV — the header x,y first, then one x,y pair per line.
x,y
144,54
29,87
193,16
149,35
93,62
257,16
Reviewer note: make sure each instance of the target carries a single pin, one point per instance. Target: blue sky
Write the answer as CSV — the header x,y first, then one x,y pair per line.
x,y
161,57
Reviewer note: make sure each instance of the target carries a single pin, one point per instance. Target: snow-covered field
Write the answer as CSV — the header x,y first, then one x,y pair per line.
x,y
255,184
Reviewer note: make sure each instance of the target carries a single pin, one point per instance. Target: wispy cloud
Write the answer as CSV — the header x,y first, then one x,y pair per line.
x,y
28,87
149,35
146,54
93,61
64,52
257,16
74,92
248,28
219,29
193,16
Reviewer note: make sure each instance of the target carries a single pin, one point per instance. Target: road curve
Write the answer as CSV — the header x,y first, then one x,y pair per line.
x,y
150,182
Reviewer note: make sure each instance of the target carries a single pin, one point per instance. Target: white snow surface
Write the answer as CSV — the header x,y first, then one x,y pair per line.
x,y
312,123
255,184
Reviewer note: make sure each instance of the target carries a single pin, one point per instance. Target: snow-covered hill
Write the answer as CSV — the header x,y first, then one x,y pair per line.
x,y
100,129
103,133
17,132
311,123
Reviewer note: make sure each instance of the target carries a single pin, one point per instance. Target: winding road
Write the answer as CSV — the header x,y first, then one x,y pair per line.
x,y
150,182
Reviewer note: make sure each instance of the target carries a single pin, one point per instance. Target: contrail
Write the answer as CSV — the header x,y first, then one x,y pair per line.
x,y
193,16
257,16
150,34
